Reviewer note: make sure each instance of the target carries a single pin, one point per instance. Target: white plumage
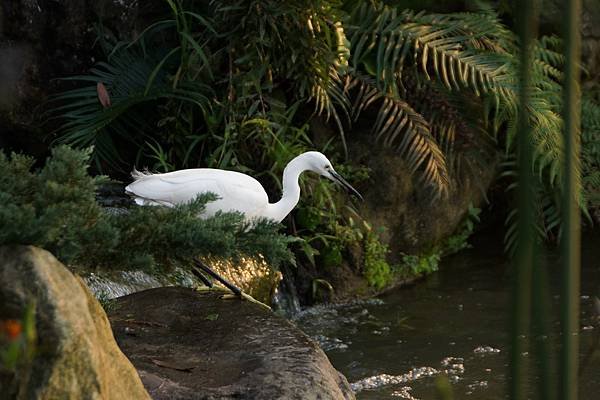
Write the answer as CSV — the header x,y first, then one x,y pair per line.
x,y
236,191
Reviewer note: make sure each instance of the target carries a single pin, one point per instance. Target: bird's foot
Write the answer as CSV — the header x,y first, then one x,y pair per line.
x,y
245,296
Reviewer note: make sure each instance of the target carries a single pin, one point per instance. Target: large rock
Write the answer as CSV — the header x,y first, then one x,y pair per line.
x,y
76,356
194,345
408,218
405,214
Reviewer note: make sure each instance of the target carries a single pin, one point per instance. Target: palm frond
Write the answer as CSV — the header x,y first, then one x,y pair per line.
x,y
132,81
398,125
459,49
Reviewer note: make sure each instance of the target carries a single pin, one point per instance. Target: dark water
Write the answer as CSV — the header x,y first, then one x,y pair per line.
x,y
454,324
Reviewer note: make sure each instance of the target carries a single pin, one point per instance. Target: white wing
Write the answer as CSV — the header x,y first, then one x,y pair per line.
x,y
236,191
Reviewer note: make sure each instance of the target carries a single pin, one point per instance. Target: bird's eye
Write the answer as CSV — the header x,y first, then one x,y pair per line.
x,y
327,167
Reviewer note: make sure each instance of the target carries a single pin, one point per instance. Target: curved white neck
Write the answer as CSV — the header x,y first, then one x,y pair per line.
x,y
291,190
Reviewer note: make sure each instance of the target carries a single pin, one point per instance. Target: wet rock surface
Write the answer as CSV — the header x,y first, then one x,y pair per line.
x,y
188,344
75,354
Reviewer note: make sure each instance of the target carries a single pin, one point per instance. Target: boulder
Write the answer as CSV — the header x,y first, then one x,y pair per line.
x,y
401,209
408,218
75,354
189,344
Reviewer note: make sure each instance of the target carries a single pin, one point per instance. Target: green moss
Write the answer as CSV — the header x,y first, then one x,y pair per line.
x,y
428,262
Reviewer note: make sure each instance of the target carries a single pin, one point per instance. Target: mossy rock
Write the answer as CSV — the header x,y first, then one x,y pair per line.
x,y
75,355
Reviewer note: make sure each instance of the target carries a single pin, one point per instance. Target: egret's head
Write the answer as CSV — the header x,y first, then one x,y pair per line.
x,y
321,165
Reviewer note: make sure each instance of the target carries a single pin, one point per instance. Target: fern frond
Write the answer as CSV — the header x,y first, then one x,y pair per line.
x,y
399,126
329,96
459,49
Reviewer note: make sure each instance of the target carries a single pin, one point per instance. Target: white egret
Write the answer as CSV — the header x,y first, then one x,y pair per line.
x,y
236,191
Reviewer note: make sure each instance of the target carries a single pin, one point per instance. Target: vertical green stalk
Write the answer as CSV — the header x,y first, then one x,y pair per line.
x,y
542,332
527,26
571,235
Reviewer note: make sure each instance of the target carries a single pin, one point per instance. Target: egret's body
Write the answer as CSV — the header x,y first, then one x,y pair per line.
x,y
235,191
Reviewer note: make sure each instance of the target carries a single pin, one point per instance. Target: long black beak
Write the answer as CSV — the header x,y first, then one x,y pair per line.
x,y
337,178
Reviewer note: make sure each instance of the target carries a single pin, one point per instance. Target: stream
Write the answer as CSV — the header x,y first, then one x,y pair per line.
x,y
453,323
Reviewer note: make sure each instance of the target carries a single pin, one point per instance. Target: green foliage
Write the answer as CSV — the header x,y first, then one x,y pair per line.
x,y
136,88
422,264
325,222
331,256
254,60
428,261
458,241
55,208
224,85
590,152
302,52
376,270
454,59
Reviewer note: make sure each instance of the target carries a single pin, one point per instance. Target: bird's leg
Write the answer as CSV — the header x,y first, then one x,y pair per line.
x,y
201,276
247,297
218,277
237,292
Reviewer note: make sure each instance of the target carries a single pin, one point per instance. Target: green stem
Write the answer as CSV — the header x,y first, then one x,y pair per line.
x,y
542,332
527,26
571,236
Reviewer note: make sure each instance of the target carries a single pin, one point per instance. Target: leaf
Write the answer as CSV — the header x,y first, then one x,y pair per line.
x,y
177,367
103,95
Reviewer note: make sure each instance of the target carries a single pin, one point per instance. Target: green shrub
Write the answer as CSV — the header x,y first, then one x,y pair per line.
x,y
377,271
55,208
590,153
201,88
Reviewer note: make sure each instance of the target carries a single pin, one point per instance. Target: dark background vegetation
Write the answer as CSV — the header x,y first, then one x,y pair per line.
x,y
414,101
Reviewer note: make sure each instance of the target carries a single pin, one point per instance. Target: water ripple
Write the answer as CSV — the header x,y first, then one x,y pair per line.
x,y
377,381
486,350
